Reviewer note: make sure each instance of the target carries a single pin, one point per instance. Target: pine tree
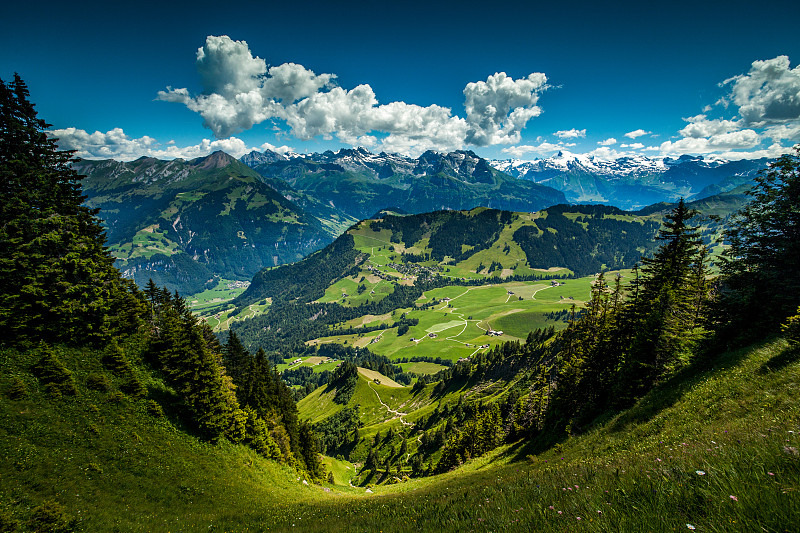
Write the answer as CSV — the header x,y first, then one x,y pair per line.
x,y
236,358
57,280
662,315
760,270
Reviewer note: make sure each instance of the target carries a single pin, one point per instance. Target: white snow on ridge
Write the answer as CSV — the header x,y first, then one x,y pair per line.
x,y
625,166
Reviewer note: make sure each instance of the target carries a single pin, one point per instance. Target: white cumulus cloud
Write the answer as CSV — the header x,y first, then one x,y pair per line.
x,y
116,144
722,142
544,148
608,142
632,146
700,126
570,134
636,133
498,108
769,93
240,91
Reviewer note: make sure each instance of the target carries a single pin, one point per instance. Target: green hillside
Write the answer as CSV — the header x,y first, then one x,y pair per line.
x,y
103,460
504,271
735,420
184,223
714,448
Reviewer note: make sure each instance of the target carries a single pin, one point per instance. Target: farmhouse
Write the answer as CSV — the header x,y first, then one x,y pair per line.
x,y
494,333
432,335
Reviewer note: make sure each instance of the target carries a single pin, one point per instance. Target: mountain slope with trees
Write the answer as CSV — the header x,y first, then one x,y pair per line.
x,y
184,223
77,329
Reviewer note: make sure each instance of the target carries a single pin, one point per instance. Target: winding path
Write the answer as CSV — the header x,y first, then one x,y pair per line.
x,y
397,414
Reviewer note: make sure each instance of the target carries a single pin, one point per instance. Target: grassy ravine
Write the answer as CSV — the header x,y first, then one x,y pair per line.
x,y
678,457
716,449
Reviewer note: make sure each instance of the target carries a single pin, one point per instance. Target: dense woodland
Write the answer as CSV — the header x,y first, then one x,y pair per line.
x,y
612,243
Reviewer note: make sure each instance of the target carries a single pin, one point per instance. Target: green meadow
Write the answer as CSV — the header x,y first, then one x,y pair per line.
x,y
460,324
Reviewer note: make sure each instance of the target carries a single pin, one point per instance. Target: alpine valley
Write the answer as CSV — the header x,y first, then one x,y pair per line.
x,y
348,341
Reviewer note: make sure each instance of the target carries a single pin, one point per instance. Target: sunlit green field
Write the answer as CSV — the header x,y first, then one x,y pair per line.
x,y
458,327
221,293
422,367
146,243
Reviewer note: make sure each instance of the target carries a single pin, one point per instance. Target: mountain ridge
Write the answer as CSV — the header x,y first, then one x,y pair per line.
x,y
360,183
634,182
186,223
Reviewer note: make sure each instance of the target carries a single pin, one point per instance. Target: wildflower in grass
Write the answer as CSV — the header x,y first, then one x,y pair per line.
x,y
770,473
551,507
559,512
734,498
700,472
690,526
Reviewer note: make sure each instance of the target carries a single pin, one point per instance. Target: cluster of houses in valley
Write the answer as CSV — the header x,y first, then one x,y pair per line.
x,y
238,284
409,271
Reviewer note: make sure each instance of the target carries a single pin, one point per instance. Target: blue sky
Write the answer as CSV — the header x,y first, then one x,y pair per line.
x,y
412,76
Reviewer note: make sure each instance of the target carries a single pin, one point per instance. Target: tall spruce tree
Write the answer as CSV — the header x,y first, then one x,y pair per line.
x,y
760,270
664,312
57,281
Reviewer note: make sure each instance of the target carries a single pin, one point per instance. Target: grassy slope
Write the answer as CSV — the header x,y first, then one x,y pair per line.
x,y
714,448
368,396
460,324
115,467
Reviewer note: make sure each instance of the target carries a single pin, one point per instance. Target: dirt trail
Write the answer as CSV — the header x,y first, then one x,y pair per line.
x,y
397,414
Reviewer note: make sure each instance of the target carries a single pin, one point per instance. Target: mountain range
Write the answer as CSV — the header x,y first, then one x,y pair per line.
x,y
189,223
633,182
359,183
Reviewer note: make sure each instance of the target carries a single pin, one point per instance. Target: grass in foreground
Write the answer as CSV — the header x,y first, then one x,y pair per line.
x,y
716,449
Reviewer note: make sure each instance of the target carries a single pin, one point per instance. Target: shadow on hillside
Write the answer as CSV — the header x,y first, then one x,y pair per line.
x,y
174,410
781,360
668,393
661,397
